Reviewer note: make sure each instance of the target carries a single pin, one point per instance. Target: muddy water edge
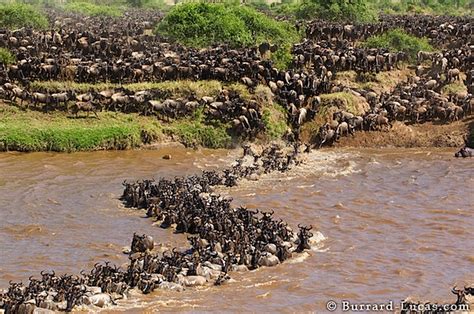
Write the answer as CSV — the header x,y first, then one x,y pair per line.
x,y
397,223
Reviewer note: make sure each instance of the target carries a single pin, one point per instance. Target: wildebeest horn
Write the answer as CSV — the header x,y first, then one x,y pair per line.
x,y
455,291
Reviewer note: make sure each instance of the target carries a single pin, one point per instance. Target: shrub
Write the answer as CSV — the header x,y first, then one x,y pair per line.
x,y
398,40
16,15
6,56
91,9
205,24
445,7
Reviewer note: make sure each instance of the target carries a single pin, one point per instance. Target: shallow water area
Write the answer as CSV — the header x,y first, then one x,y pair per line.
x,y
397,223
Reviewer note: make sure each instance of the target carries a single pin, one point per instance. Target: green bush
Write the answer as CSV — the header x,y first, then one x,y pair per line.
x,y
343,10
91,9
17,15
6,56
447,7
398,40
199,24
204,24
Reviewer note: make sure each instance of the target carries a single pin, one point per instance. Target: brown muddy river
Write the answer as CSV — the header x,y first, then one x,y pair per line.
x,y
396,224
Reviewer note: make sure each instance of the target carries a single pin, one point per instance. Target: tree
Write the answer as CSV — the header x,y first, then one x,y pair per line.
x,y
345,10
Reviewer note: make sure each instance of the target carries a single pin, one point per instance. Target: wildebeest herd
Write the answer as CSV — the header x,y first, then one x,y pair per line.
x,y
222,238
123,50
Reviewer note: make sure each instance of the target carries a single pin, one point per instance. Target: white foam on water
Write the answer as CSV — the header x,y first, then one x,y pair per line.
x,y
300,258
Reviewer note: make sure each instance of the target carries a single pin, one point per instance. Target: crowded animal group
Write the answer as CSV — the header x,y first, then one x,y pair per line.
x,y
124,50
222,239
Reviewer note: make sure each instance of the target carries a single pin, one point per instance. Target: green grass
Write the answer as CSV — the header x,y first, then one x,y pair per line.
x,y
438,7
342,100
398,40
29,131
274,118
194,132
34,131
454,88
91,9
6,57
182,88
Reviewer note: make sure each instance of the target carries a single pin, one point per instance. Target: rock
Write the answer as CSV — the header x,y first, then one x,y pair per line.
x,y
239,268
212,266
268,260
271,248
167,156
204,272
126,250
171,286
253,177
94,290
193,281
208,273
99,300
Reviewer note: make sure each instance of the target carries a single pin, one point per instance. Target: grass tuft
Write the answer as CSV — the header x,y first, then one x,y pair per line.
x,y
398,40
194,132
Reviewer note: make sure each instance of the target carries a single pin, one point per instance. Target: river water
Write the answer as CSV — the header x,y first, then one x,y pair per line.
x,y
397,223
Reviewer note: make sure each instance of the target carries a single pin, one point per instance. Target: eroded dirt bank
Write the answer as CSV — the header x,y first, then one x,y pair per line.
x,y
419,135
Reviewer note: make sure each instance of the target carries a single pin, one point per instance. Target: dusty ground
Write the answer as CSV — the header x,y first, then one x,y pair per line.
x,y
420,135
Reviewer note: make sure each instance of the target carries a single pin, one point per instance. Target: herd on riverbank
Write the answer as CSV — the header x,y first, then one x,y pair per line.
x,y
123,51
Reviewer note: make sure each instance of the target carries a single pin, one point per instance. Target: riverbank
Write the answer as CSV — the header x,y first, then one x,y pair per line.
x,y
417,135
29,131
